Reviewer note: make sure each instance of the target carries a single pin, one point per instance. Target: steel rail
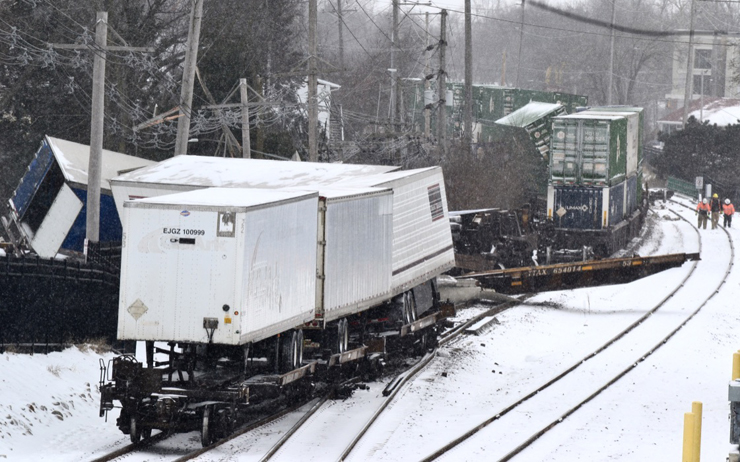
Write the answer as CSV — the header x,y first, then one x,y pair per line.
x,y
456,442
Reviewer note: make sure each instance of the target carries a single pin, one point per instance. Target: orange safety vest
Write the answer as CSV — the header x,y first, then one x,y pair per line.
x,y
729,209
702,207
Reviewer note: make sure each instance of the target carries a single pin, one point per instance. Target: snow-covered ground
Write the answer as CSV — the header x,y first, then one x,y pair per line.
x,y
49,404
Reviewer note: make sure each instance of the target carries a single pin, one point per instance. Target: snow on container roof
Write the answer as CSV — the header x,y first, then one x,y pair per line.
x,y
74,158
589,116
225,197
531,112
385,178
205,171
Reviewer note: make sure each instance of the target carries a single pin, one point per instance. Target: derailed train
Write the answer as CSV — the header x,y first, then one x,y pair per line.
x,y
593,201
254,273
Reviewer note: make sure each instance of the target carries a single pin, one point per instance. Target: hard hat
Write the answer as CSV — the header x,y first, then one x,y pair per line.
x,y
727,201
715,195
704,201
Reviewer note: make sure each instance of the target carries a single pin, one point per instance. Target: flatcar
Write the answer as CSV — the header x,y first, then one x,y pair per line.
x,y
290,268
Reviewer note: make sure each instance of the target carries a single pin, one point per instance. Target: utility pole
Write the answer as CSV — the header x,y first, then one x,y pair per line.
x,y
394,38
188,79
689,69
427,83
313,110
442,85
246,150
521,39
611,54
97,121
341,41
468,108
92,223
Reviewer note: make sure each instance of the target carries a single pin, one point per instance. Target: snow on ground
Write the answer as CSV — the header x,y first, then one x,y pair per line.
x,y
49,404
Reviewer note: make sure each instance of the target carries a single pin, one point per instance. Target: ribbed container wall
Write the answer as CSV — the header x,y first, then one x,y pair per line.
x,y
359,244
249,266
422,240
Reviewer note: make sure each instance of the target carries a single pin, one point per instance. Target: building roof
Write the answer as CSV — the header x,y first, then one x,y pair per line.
x,y
719,111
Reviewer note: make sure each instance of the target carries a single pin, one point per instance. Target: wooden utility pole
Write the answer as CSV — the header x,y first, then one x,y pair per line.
x,y
394,75
92,224
689,70
468,107
427,83
188,79
97,121
611,54
519,56
246,150
313,107
341,41
442,85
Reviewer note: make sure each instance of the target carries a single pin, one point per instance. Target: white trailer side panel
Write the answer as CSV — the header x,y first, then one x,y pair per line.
x,y
244,260
422,240
358,252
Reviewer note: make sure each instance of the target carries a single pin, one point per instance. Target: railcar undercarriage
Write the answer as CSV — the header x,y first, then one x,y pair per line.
x,y
214,388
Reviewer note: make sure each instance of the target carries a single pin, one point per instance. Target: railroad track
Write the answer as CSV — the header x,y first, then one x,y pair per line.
x,y
510,429
185,447
559,398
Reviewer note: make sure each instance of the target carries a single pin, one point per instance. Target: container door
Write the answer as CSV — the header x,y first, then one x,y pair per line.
x,y
564,155
577,208
595,153
57,222
616,203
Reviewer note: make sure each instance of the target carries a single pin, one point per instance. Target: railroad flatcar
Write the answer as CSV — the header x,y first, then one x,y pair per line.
x,y
256,285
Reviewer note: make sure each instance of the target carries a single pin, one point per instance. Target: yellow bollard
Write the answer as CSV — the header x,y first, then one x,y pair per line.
x,y
735,366
688,437
696,409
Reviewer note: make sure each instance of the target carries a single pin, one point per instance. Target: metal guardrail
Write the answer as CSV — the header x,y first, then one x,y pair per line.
x,y
681,186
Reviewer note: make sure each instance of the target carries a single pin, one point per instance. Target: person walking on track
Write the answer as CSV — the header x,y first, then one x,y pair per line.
x,y
728,210
702,211
716,207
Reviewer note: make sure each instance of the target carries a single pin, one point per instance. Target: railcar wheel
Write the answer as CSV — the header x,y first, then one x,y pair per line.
x,y
294,359
134,432
300,348
342,336
206,430
409,307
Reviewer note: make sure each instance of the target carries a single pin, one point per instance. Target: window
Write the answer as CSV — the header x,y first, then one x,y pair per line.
x,y
707,86
702,59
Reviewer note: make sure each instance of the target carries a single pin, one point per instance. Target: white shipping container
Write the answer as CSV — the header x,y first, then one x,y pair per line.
x,y
356,226
228,266
422,240
186,173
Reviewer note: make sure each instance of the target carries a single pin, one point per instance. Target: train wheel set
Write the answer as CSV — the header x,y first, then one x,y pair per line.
x,y
213,389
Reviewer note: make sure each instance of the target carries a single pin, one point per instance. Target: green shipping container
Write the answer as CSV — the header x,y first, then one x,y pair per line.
x,y
588,150
535,119
634,116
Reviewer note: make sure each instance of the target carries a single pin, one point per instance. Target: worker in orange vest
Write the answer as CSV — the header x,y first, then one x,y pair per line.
x,y
703,211
728,210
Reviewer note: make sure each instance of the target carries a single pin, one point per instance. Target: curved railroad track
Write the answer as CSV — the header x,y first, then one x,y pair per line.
x,y
510,429
497,432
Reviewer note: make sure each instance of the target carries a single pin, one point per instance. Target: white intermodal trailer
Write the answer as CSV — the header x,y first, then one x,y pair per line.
x,y
422,240
186,173
221,266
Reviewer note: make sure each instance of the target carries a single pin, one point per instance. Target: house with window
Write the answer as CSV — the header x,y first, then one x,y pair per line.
x,y
715,64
